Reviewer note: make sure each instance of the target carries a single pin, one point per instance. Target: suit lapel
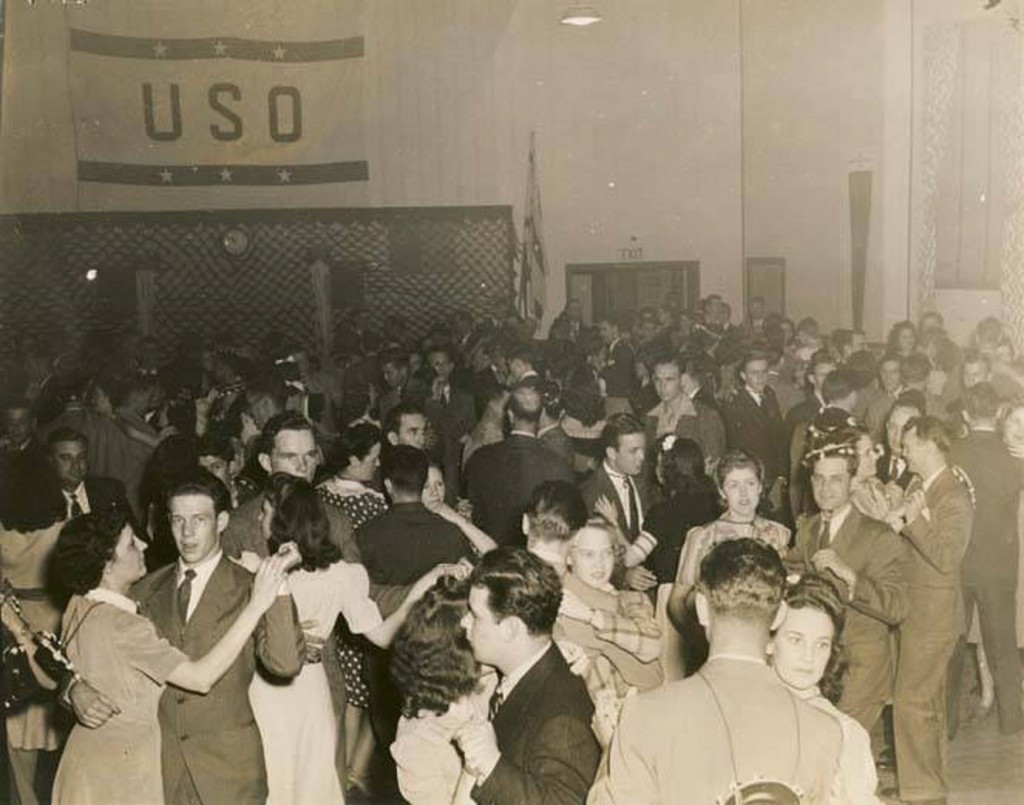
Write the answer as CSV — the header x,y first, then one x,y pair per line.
x,y
612,494
207,612
512,714
159,606
844,540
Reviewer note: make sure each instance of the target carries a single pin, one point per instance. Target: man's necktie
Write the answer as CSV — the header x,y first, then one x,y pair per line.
x,y
76,507
184,594
825,533
633,526
494,705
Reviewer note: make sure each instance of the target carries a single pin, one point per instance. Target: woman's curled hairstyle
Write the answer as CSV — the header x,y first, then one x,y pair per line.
x,y
85,545
299,517
813,591
432,662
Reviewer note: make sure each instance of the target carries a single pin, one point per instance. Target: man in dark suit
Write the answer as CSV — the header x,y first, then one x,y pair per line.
x,y
619,371
69,454
452,414
865,558
211,750
989,570
538,746
892,467
500,477
936,526
619,483
754,423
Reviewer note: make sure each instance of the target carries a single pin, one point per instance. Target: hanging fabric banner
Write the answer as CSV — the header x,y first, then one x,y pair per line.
x,y
207,103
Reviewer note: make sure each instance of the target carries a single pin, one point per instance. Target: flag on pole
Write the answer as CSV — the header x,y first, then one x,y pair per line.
x,y
533,268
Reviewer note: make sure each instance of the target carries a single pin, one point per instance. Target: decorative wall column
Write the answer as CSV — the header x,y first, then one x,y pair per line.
x,y
942,53
1012,281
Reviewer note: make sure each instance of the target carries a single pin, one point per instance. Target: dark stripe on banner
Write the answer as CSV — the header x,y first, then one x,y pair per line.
x,y
225,47
222,175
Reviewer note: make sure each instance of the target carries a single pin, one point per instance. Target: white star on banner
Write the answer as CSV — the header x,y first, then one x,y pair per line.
x,y
160,49
166,176
220,48
284,175
225,175
279,52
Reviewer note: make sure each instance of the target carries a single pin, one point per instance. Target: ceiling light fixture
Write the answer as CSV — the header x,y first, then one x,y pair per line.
x,y
580,14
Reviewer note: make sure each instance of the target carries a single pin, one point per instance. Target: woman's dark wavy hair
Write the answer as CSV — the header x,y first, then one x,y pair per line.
x,y
356,441
299,517
432,662
683,468
813,591
582,396
85,545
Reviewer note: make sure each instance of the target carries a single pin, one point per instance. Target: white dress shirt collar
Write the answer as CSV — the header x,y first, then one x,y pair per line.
x,y
79,495
204,570
836,520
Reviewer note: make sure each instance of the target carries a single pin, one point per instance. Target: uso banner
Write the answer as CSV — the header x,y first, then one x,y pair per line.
x,y
213,103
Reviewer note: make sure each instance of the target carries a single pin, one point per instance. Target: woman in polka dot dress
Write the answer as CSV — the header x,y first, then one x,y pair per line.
x,y
356,457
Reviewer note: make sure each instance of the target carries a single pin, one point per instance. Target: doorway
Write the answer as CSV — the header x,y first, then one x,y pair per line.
x,y
614,288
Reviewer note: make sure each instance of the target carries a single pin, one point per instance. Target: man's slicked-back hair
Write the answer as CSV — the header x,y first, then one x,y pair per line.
x,y
931,429
555,511
520,585
617,426
406,468
60,435
287,420
203,483
525,402
838,384
393,421
744,579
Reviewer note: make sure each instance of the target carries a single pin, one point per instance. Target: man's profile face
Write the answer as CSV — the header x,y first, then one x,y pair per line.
x,y
295,453
820,372
71,461
668,381
915,451
196,526
483,630
412,430
831,483
628,457
899,417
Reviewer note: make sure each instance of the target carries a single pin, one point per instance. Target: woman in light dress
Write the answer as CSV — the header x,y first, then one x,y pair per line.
x,y
443,689
296,718
740,479
806,655
117,651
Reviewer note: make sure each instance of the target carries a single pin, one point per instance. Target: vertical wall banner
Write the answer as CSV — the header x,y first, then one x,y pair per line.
x,y
860,218
533,267
205,103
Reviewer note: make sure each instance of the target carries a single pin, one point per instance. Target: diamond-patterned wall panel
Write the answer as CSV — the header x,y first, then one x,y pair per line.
x,y
466,263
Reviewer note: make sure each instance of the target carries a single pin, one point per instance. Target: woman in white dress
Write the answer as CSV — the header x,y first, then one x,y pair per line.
x,y
296,718
806,655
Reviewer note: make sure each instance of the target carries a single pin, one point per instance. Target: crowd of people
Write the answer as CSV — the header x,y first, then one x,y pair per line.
x,y
660,558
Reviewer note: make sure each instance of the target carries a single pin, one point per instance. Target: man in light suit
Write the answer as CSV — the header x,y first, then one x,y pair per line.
x,y
538,748
211,747
865,558
733,722
936,527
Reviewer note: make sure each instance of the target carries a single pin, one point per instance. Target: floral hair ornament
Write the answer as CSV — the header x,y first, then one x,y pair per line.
x,y
668,443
